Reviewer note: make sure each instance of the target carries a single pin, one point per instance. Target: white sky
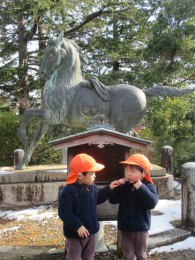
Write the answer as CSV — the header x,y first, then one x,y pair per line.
x,y
171,210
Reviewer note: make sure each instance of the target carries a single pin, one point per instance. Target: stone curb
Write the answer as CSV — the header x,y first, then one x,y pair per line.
x,y
168,237
34,252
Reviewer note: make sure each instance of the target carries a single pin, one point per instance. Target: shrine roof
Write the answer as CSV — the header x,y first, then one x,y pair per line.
x,y
100,136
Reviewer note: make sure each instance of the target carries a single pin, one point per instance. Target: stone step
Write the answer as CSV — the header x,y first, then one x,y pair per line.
x,y
168,237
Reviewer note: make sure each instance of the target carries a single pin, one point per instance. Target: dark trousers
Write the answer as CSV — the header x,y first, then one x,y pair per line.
x,y
134,243
80,248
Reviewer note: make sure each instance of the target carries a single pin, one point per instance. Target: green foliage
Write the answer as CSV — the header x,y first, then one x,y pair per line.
x,y
183,153
44,153
137,42
172,122
9,123
48,154
171,44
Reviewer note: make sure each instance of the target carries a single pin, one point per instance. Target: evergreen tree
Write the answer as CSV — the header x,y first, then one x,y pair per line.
x,y
137,42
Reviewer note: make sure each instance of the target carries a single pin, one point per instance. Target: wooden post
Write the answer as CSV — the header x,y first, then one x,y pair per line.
x,y
188,194
166,159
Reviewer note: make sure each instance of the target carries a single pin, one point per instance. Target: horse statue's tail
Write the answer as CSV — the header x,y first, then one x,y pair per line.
x,y
165,91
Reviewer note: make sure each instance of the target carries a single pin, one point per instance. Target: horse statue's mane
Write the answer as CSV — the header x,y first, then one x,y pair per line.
x,y
70,99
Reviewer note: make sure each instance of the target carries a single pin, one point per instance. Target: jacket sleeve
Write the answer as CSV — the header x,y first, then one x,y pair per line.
x,y
103,194
114,196
65,209
148,195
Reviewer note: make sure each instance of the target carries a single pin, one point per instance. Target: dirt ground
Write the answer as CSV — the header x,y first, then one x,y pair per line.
x,y
48,232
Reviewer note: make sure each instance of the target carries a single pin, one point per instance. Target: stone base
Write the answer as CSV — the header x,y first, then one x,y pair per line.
x,y
162,181
164,185
37,185
29,194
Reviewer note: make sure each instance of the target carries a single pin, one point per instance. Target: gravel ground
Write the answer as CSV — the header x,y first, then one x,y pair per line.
x,y
47,232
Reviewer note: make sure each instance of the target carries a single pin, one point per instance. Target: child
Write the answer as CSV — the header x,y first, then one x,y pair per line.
x,y
136,197
77,207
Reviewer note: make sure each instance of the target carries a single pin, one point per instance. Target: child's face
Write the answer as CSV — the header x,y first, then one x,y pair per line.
x,y
89,178
132,174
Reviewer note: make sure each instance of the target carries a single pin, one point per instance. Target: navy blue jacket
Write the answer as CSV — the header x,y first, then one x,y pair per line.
x,y
77,207
134,205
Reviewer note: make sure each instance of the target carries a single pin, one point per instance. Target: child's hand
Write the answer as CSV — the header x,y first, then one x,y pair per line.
x,y
83,232
122,180
137,184
115,184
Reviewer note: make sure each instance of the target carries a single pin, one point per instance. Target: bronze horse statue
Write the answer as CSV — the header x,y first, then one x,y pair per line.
x,y
70,99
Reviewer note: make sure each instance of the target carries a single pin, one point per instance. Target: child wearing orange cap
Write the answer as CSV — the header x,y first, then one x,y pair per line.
x,y
77,207
136,197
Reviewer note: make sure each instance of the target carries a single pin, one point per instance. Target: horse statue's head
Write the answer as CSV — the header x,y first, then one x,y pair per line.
x,y
61,54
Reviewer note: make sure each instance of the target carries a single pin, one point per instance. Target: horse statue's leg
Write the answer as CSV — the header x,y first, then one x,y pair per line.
x,y
40,132
41,114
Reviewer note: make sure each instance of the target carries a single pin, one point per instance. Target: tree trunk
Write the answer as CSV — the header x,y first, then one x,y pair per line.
x,y
42,39
23,85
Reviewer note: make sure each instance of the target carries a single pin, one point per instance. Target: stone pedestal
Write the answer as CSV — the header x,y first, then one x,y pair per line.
x,y
100,244
38,185
163,182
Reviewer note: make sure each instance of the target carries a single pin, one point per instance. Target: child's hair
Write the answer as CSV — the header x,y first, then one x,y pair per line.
x,y
84,173
141,160
139,168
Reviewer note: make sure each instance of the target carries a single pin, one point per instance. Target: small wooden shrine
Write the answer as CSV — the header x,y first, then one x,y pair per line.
x,y
105,145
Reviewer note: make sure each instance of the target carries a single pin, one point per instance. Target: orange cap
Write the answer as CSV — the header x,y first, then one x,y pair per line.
x,y
142,161
82,163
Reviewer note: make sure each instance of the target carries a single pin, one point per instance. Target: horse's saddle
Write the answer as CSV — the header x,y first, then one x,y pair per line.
x,y
90,100
100,88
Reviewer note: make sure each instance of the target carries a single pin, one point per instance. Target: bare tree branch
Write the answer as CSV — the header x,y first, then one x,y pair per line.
x,y
94,15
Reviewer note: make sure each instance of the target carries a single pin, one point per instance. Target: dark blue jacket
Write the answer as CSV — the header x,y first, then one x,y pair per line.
x,y
77,207
134,205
